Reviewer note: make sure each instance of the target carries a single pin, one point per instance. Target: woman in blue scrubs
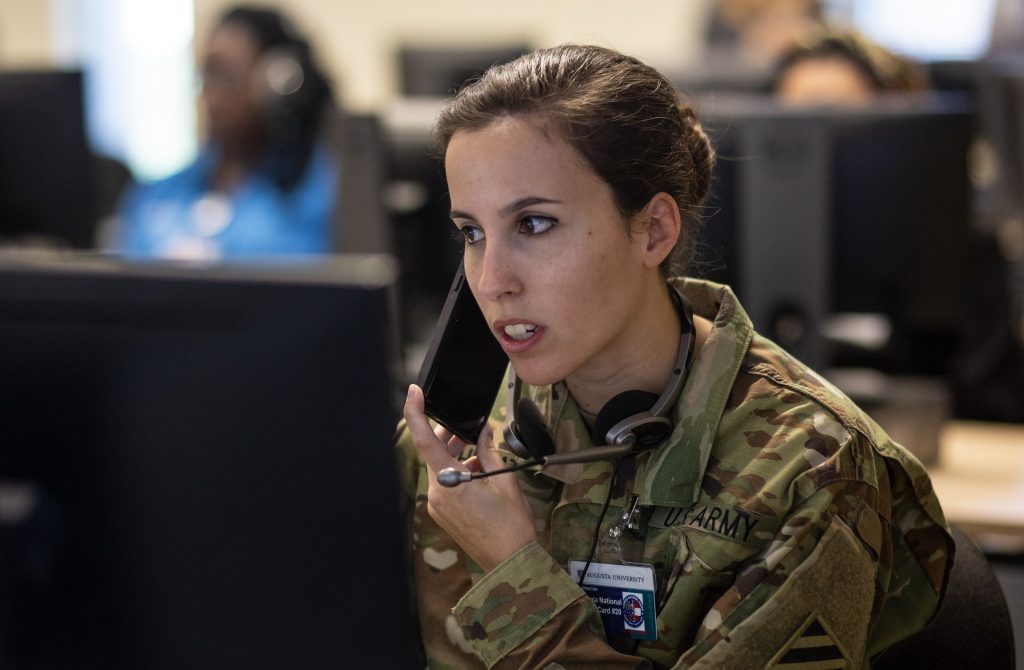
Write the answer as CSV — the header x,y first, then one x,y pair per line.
x,y
264,184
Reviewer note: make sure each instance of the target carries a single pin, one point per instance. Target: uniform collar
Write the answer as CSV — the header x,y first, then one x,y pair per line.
x,y
673,473
669,475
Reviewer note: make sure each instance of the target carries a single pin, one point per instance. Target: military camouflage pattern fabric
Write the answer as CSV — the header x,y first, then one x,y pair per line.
x,y
781,522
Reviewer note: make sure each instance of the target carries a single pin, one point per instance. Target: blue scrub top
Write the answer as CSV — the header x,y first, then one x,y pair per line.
x,y
180,217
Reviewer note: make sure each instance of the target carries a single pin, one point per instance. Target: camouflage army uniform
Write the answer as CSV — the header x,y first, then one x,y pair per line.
x,y
781,522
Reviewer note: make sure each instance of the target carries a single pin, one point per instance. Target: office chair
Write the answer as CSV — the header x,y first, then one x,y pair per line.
x,y
972,628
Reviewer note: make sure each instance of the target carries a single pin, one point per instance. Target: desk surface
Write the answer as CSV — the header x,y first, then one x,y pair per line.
x,y
980,481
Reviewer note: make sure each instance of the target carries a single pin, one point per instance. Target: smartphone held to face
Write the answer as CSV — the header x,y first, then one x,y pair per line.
x,y
462,371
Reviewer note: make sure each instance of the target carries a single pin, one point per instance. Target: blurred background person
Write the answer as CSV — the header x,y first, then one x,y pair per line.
x,y
744,38
761,30
265,183
1006,38
840,66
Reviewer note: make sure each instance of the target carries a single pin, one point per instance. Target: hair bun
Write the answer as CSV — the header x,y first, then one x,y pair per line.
x,y
697,144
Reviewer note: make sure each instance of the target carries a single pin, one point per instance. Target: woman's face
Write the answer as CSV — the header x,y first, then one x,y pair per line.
x,y
548,256
232,99
824,81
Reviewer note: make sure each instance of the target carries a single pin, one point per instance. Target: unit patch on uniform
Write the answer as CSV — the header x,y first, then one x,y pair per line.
x,y
722,520
812,646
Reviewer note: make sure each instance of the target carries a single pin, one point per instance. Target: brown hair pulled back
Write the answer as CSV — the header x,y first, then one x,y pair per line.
x,y
623,117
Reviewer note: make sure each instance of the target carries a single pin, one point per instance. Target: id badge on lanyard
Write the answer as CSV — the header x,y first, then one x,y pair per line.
x,y
623,592
624,595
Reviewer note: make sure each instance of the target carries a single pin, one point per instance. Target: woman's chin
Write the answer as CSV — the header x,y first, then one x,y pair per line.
x,y
537,375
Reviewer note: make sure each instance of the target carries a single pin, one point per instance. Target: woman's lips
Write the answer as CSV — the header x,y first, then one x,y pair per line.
x,y
517,336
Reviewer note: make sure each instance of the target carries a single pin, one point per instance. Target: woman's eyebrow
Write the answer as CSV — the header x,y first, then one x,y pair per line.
x,y
528,201
510,209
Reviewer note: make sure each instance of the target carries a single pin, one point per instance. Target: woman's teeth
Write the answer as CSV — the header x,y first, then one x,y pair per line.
x,y
520,331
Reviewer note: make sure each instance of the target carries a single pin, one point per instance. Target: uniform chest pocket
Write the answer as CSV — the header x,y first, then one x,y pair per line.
x,y
709,554
699,567
702,564
715,536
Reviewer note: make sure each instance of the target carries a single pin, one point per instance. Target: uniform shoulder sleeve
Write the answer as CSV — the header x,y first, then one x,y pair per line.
x,y
817,591
407,459
808,598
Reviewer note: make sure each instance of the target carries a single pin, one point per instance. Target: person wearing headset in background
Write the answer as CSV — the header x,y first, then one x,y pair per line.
x,y
265,183
773,518
841,67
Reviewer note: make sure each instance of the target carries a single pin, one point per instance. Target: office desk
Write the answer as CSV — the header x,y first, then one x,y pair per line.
x,y
980,482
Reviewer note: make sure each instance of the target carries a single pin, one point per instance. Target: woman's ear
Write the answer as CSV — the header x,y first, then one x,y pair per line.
x,y
660,226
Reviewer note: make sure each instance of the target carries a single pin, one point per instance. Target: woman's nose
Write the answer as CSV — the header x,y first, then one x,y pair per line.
x,y
496,276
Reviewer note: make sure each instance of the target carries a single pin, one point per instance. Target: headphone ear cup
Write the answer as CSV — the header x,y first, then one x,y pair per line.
x,y
285,72
622,406
531,431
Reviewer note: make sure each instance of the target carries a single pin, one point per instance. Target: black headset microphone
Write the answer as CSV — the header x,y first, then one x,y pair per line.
x,y
631,421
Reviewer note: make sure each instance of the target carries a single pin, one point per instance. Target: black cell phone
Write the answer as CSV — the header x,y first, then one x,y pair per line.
x,y
464,365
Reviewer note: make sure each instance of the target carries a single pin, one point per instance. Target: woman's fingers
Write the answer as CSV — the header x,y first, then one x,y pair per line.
x,y
455,445
473,464
431,448
437,446
485,451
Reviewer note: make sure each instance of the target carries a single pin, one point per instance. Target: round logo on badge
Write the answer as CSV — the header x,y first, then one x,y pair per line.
x,y
632,610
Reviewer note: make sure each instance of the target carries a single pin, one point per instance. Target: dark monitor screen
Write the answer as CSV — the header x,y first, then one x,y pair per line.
x,y
197,468
884,193
902,211
437,71
46,193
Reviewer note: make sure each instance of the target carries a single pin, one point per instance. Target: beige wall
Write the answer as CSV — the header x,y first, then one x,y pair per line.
x,y
25,34
357,39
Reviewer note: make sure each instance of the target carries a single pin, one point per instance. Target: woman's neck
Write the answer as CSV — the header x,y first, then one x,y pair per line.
x,y
642,359
233,165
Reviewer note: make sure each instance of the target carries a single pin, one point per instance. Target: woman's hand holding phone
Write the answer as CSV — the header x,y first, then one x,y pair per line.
x,y
489,518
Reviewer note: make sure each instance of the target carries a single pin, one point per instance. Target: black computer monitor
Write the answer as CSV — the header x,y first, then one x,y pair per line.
x,y
196,467
440,71
46,168
822,211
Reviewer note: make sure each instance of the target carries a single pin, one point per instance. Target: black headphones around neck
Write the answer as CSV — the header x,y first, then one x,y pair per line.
x,y
631,421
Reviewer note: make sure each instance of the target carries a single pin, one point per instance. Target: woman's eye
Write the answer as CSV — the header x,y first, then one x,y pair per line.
x,y
472,234
535,225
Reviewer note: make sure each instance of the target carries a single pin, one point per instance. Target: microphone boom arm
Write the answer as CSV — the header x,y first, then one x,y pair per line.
x,y
453,477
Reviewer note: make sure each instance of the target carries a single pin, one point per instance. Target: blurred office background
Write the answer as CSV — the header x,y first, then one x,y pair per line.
x,y
390,61
884,245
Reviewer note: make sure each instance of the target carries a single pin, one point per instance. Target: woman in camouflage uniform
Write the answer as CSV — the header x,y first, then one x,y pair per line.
x,y
776,524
